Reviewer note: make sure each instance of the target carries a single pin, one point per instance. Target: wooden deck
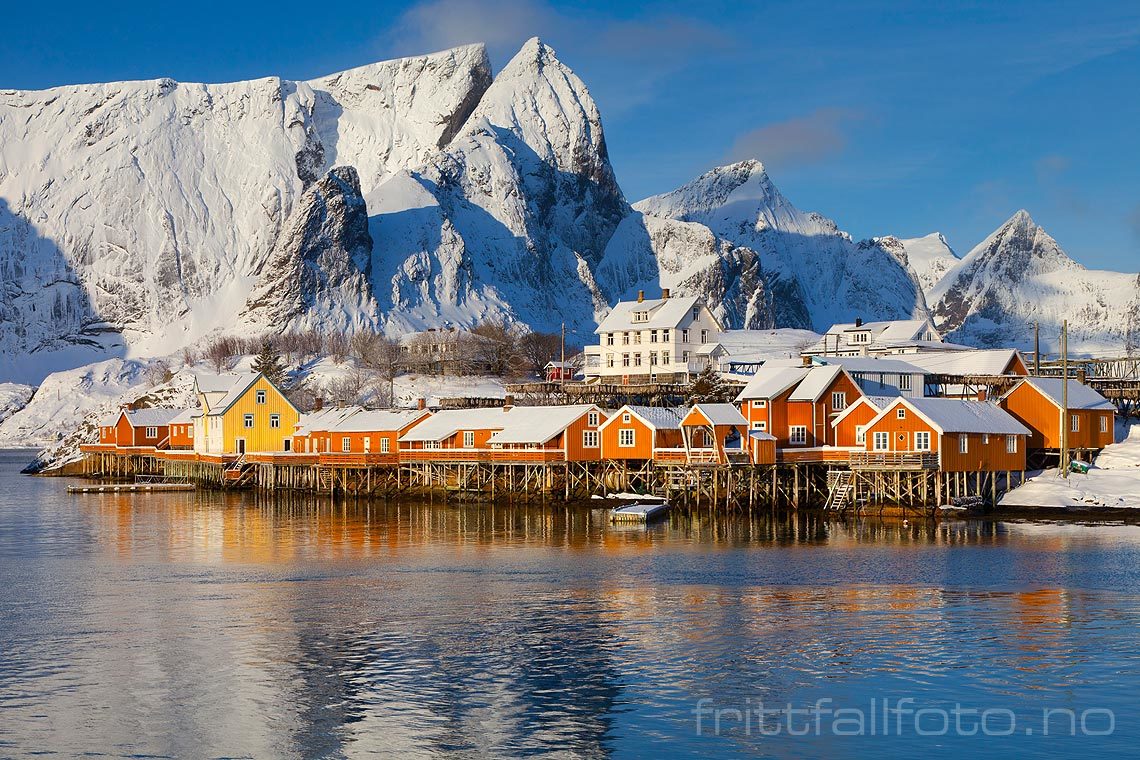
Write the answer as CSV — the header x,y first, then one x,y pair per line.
x,y
893,460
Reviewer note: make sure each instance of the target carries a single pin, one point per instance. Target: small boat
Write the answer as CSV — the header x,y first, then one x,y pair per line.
x,y
642,510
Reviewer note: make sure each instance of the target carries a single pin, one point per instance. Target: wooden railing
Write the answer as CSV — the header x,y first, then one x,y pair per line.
x,y
505,456
815,454
893,460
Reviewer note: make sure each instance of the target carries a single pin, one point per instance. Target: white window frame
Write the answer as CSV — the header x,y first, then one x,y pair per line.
x,y
590,439
1104,423
345,444
275,420
922,440
704,337
385,445
963,443
627,438
1074,423
1011,444
684,336
151,432
797,435
260,396
880,440
838,401
468,439
247,421
625,417
760,425
900,413
432,445
860,435
759,403
592,419
904,382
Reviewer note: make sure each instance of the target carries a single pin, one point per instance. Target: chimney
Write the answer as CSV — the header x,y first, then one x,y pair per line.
x,y
508,402
421,403
982,394
1081,376
318,404
806,361
640,296
858,321
664,292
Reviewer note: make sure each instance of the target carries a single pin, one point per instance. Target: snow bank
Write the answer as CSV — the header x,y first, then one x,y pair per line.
x,y
1114,482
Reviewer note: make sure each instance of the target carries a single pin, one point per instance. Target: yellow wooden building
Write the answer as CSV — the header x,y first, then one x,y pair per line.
x,y
241,413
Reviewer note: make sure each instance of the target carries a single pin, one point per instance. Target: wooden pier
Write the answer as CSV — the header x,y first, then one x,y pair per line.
x,y
131,488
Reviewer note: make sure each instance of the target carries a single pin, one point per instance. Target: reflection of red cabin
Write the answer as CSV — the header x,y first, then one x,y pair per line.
x,y
1036,402
961,436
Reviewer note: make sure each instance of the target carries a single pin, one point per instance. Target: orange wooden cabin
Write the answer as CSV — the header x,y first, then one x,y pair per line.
x,y
822,395
714,433
1036,402
643,433
851,424
312,436
138,427
956,435
182,429
764,400
371,435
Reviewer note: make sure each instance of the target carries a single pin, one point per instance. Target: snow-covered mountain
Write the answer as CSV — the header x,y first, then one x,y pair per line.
x,y
1019,275
929,257
134,216
813,274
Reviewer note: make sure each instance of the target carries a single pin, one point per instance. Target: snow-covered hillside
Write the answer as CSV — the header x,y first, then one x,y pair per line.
x,y
1019,275
813,274
929,257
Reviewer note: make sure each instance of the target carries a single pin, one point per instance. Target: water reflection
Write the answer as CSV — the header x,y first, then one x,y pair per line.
x,y
207,624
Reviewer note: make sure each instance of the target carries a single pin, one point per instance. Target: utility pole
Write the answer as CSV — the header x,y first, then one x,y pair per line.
x,y
562,368
1036,349
1065,399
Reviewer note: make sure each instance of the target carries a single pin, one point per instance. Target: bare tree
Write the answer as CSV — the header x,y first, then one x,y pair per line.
x,y
351,388
337,347
158,373
220,352
497,351
538,348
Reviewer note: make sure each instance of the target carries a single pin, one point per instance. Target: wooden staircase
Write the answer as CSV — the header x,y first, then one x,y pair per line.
x,y
840,486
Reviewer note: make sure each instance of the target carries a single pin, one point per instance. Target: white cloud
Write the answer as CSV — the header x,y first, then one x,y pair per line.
x,y
801,141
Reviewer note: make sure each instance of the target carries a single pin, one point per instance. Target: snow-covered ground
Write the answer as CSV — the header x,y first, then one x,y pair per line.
x,y
1113,482
13,398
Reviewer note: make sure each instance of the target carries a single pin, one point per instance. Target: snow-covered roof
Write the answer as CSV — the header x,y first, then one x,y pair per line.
x,y
1081,396
971,362
186,416
448,422
951,415
154,417
871,364
559,365
657,417
760,435
770,382
838,336
208,382
663,312
817,381
538,424
877,403
369,421
765,345
111,418
237,386
323,419
721,414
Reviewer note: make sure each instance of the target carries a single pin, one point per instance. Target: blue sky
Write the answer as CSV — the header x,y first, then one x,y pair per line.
x,y
891,118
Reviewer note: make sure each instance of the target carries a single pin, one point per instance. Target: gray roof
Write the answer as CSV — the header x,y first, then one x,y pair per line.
x,y
869,364
1081,396
186,416
973,362
538,424
817,381
769,382
372,421
951,415
721,414
658,417
155,417
446,423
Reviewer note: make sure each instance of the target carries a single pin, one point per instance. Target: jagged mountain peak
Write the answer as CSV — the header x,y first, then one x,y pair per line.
x,y
744,186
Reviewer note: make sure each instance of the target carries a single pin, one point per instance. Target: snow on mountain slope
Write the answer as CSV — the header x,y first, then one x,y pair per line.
x,y
1019,275
146,207
318,274
510,219
929,257
13,398
815,274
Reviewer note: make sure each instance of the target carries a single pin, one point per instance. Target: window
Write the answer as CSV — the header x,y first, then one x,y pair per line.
x,y
609,360
275,420
627,438
247,420
759,425
904,382
637,360
985,439
625,417
385,444
1075,423
664,336
963,443
759,403
685,356
652,336
346,444
704,336
261,397
1104,423
589,439
797,435
652,358
684,336
641,316
609,339
625,360
861,337
468,439
189,431
901,413
625,339
860,435
431,444
1011,444
637,337
592,419
664,357
152,432
922,441
838,401
881,441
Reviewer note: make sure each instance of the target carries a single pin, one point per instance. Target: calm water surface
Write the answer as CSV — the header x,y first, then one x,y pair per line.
x,y
206,625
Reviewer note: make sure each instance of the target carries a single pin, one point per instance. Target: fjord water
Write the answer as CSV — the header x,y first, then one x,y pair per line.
x,y
204,625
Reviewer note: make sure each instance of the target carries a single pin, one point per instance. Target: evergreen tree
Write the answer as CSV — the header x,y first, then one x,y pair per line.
x,y
268,362
708,388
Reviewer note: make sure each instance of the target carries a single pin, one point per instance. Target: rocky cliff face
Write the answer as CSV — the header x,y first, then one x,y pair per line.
x,y
318,275
143,209
1020,275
